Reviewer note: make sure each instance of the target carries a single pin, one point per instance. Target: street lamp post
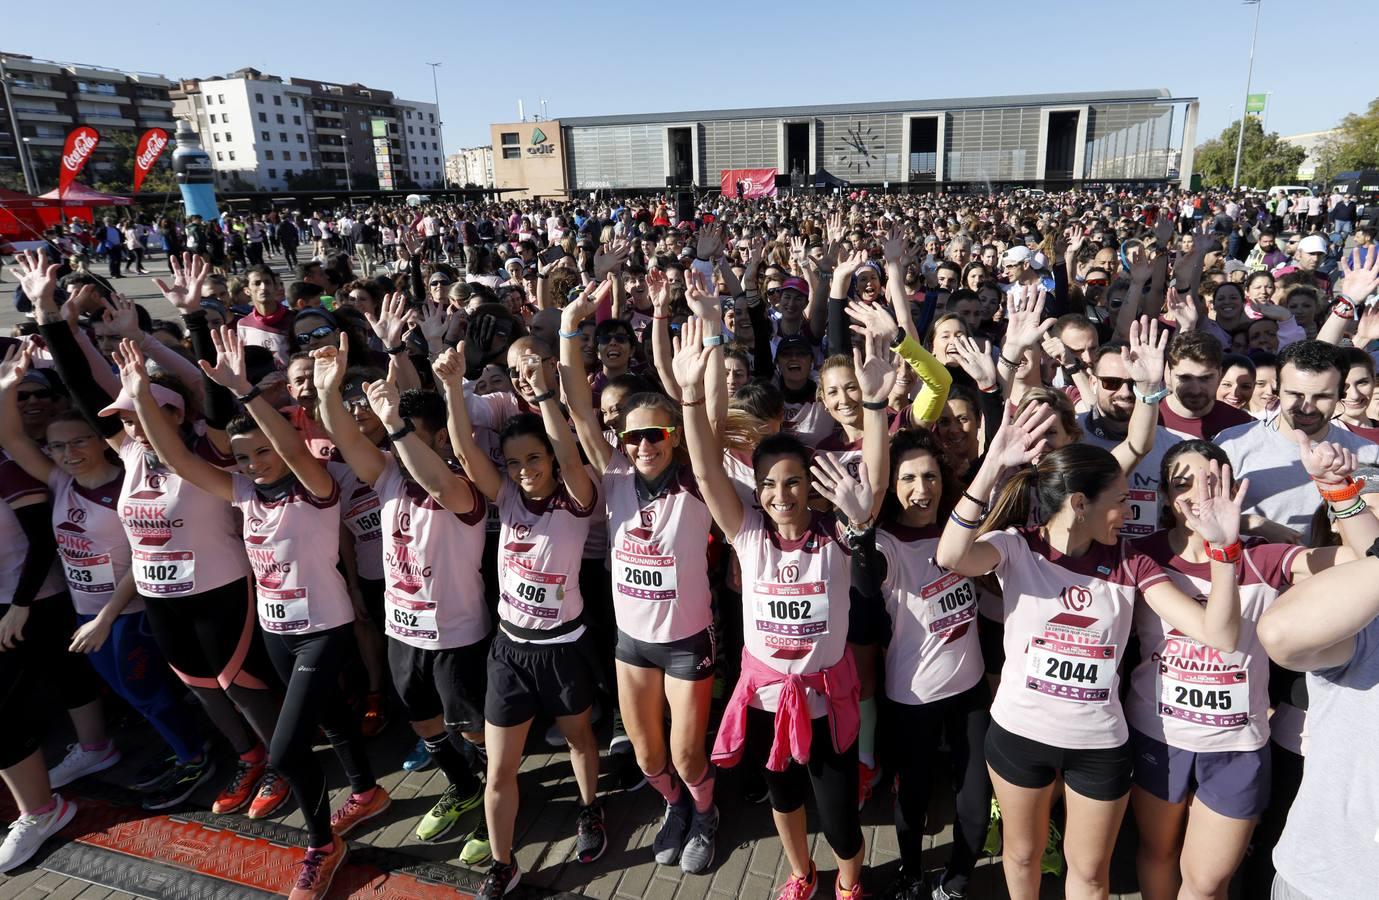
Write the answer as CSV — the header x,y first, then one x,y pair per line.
x,y
440,124
1249,75
349,164
27,163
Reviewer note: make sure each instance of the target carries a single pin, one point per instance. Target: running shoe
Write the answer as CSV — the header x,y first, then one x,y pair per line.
x,y
853,893
178,783
800,887
906,887
1051,863
477,850
419,760
590,837
80,762
240,790
992,847
154,771
697,856
375,717
938,892
27,833
354,811
318,871
867,779
501,879
447,811
273,791
670,837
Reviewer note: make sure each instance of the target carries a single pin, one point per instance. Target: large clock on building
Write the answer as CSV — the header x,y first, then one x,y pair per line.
x,y
858,150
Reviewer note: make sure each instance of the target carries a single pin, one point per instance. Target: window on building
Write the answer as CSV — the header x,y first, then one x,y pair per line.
x,y
282,136
512,146
363,126
216,137
220,156
212,118
225,117
280,118
433,132
287,173
272,173
277,100
232,156
301,156
430,117
412,144
301,139
210,100
265,135
228,139
434,146
220,98
296,120
294,102
258,98
263,117
268,154
409,129
409,114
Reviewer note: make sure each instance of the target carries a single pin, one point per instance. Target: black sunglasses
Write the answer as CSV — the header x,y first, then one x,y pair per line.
x,y
614,337
40,394
650,435
320,331
1111,383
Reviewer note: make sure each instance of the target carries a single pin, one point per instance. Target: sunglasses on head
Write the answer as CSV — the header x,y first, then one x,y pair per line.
x,y
320,331
650,435
1111,383
614,337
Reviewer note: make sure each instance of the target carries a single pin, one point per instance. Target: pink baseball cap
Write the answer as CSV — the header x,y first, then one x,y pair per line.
x,y
163,396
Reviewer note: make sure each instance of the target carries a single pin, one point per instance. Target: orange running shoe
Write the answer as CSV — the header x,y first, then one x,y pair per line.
x,y
241,787
375,717
273,790
867,779
317,871
344,819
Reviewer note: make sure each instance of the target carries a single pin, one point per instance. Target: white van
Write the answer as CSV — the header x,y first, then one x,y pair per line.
x,y
1290,190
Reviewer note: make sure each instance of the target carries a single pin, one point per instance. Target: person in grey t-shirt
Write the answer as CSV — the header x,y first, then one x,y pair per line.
x,y
1267,453
1328,627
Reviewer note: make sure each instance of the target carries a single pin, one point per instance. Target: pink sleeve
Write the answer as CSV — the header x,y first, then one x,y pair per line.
x,y
171,361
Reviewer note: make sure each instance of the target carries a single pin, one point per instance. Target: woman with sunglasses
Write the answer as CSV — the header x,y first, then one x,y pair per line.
x,y
796,666
1199,719
658,528
1070,585
189,564
542,658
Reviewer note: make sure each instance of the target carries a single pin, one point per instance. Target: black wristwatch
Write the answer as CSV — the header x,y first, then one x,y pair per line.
x,y
406,429
248,398
898,339
1074,367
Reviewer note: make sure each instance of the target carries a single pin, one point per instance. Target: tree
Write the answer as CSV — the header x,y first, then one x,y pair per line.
x,y
1354,144
1266,160
310,181
118,148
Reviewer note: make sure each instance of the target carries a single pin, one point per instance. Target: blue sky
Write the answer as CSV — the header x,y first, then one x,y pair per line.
x,y
595,57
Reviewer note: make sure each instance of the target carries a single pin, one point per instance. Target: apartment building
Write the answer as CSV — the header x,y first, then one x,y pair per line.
x,y
422,148
471,166
43,100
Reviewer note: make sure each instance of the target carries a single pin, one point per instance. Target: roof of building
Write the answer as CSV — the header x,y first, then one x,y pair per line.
x,y
884,106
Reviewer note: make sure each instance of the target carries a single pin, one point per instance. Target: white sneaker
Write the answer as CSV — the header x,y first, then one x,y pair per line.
x,y
27,833
79,763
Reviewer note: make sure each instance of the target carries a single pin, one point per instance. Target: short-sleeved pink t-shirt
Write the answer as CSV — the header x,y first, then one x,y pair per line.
x,y
1067,620
91,543
540,551
434,596
794,599
289,543
934,652
1192,696
184,541
362,512
658,554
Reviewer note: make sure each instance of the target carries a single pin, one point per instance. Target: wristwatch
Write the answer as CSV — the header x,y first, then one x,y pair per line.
x,y
1155,397
898,339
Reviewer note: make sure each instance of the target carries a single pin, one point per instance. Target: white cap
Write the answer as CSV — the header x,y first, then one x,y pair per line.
x,y
1313,243
1016,254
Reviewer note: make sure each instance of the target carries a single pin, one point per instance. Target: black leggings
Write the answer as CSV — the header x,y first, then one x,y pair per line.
x,y
40,659
832,775
310,666
964,719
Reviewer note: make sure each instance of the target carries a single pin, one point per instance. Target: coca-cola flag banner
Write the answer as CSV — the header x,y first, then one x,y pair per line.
x,y
151,146
81,143
755,182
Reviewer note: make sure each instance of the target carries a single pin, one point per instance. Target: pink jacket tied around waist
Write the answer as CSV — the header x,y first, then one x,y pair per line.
x,y
794,728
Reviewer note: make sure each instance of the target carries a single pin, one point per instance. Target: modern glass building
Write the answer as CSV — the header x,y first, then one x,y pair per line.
x,y
1143,136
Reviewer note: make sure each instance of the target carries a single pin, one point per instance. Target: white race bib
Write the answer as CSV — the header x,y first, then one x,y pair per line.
x,y
641,577
949,602
1217,699
797,610
365,519
165,572
283,611
409,617
1144,514
533,592
1080,672
89,574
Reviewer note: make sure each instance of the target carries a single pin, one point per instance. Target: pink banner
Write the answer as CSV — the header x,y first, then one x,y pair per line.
x,y
755,182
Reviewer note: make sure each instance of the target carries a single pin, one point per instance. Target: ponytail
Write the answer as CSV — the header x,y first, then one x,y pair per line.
x,y
1014,501
1033,494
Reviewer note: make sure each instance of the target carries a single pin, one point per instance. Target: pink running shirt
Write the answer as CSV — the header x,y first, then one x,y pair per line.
x,y
91,543
540,550
362,513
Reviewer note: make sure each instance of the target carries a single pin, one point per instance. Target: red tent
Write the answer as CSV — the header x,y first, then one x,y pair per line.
x,y
23,218
79,194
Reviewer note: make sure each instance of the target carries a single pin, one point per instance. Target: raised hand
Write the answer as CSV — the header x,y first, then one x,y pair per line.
x,y
872,319
187,278
1183,308
37,278
533,372
1020,441
1077,237
1213,512
14,366
328,366
409,244
1055,349
449,367
895,248
392,320
385,399
1367,325
230,370
835,227
710,241
1325,461
122,316
129,359
433,319
850,496
1357,284
702,295
974,355
610,257
849,265
799,252
658,290
1144,357
691,357
875,374
1025,324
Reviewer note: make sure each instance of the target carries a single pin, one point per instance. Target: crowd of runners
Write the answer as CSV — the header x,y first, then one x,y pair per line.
x,y
1047,500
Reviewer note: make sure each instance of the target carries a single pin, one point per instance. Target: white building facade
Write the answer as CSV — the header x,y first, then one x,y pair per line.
x,y
419,130
472,166
257,130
